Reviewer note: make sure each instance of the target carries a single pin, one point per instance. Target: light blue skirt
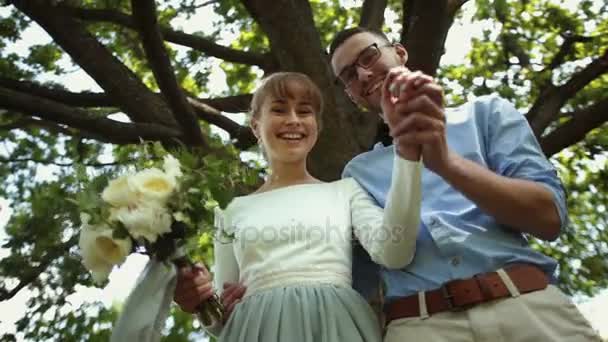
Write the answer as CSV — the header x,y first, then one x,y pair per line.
x,y
316,313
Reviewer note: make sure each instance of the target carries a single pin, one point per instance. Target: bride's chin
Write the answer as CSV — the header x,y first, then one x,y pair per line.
x,y
291,155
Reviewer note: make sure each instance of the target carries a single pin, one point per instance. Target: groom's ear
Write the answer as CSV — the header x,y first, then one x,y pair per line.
x,y
401,52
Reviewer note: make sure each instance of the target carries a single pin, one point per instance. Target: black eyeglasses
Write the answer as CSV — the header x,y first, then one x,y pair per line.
x,y
366,59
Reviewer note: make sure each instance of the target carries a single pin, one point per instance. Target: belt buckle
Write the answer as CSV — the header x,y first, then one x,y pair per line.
x,y
448,297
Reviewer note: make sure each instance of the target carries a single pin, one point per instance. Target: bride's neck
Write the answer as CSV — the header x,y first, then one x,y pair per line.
x,y
285,174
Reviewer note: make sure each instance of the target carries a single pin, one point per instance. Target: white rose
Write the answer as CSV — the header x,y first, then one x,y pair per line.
x,y
152,185
172,166
118,193
100,252
147,220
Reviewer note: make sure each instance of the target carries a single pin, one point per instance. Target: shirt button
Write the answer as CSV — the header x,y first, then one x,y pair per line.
x,y
455,261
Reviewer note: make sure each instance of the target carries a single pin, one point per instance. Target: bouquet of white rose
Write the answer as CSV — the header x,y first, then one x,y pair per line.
x,y
151,211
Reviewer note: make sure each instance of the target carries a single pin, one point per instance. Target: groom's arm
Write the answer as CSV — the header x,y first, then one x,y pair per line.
x,y
521,204
521,190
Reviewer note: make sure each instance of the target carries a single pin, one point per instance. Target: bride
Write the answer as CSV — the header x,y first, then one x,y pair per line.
x,y
290,242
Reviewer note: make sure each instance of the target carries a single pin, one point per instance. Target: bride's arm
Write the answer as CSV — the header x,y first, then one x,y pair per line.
x,y
389,236
226,269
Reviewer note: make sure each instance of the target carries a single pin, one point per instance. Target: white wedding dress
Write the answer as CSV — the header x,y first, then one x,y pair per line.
x,y
292,248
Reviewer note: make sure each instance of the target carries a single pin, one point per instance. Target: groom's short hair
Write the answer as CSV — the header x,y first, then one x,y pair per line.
x,y
343,35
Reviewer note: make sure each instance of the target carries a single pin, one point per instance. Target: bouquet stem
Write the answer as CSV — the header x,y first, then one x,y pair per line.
x,y
209,311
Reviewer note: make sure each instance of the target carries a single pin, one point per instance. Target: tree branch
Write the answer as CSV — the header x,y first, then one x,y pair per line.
x,y
455,5
35,272
229,104
566,48
427,24
50,162
264,61
106,130
509,40
193,7
26,123
574,130
118,81
84,99
52,127
580,79
511,45
290,25
406,19
243,134
144,14
548,105
372,14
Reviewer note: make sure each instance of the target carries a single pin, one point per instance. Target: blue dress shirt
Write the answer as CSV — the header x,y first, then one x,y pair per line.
x,y
457,239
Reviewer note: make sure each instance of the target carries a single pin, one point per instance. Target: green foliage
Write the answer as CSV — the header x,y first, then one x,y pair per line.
x,y
538,28
330,16
44,58
582,250
10,27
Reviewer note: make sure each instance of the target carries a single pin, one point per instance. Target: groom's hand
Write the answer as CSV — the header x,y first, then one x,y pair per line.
x,y
231,296
418,115
397,88
423,123
193,287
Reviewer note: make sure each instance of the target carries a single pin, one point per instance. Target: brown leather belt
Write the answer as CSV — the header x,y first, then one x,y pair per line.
x,y
462,294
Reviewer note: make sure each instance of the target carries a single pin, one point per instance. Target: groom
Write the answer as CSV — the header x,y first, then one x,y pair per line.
x,y
486,185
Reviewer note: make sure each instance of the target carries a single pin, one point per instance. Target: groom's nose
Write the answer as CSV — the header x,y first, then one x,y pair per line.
x,y
363,74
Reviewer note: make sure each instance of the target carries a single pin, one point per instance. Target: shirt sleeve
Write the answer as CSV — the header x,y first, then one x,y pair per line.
x,y
389,235
226,268
513,151
346,173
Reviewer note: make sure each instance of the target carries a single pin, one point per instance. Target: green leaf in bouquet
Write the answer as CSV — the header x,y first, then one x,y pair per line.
x,y
205,239
194,191
181,217
158,150
90,204
178,230
197,215
96,217
120,231
163,247
210,204
188,160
